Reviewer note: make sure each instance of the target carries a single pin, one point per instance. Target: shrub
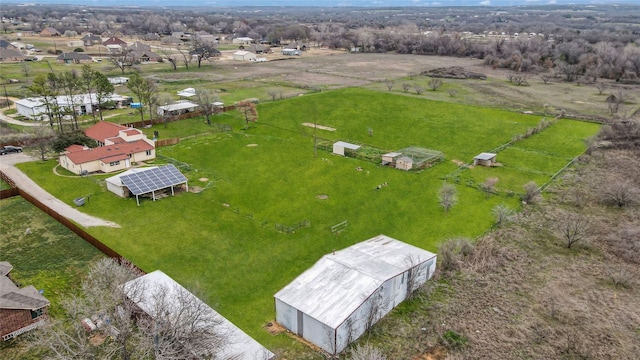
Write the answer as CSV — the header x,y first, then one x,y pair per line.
x,y
453,340
452,252
78,50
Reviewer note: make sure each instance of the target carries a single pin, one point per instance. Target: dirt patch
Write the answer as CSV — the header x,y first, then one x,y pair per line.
x,y
322,196
274,328
437,353
252,145
203,179
97,339
321,127
458,162
195,189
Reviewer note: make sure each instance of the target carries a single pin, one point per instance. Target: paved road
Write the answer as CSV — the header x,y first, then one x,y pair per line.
x,y
33,189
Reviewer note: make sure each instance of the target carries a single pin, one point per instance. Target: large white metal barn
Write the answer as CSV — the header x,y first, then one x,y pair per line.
x,y
334,302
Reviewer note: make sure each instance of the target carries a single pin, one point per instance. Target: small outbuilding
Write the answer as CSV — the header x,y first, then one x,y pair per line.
x,y
485,159
340,297
291,52
390,158
404,163
340,146
177,108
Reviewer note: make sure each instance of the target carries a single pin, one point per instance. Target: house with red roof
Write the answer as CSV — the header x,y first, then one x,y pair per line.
x,y
119,148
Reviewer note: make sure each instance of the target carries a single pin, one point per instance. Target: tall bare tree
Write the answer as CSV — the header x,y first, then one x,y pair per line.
x,y
447,196
205,99
573,228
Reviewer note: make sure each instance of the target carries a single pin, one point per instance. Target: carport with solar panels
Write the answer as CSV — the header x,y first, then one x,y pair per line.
x,y
154,180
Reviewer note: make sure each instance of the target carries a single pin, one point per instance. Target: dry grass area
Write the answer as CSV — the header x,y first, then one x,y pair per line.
x,y
519,292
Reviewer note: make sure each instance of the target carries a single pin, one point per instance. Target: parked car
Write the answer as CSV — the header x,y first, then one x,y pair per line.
x,y
10,149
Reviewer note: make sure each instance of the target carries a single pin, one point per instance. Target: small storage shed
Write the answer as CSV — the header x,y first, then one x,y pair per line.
x,y
390,158
338,147
334,302
485,159
404,163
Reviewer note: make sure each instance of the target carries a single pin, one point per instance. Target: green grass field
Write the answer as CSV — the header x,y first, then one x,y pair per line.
x,y
223,239
50,257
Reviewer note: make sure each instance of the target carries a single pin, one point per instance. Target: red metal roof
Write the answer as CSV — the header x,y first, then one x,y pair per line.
x,y
108,153
104,130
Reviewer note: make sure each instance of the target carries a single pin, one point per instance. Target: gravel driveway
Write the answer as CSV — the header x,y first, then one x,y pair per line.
x,y
27,185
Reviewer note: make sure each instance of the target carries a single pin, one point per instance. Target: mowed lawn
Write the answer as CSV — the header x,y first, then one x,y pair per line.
x,y
223,240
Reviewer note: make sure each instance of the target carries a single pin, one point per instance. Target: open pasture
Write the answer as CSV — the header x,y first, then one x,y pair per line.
x,y
225,240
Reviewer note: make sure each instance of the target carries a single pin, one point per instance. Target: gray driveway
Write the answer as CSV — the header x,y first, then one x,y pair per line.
x,y
30,187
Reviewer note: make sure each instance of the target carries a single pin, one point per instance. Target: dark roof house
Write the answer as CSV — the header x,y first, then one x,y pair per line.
x,y
91,39
21,309
49,32
74,58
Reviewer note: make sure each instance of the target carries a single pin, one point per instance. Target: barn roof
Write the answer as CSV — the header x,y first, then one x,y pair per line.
x,y
238,345
339,283
182,105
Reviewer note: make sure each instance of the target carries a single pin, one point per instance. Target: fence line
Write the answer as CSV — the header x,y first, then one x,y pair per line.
x,y
66,222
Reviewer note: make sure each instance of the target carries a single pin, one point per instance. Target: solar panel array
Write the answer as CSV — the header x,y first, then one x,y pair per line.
x,y
153,179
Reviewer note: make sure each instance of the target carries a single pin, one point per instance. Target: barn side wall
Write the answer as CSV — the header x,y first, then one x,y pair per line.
x,y
286,315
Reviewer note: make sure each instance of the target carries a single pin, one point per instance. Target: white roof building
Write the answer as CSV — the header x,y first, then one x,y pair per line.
x,y
35,107
177,108
188,92
344,293
237,345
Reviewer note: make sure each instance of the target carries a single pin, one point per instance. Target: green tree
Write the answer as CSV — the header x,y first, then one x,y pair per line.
x,y
103,89
88,81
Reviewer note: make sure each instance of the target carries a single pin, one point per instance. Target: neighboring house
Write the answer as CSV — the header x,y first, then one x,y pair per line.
x,y
258,49
298,46
291,52
36,108
10,55
243,55
205,52
21,309
177,108
49,32
485,159
144,56
237,345
138,46
114,49
334,302
4,44
113,40
117,151
74,58
90,40
242,40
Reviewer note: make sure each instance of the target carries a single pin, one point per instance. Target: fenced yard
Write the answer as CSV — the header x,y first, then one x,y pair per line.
x,y
222,238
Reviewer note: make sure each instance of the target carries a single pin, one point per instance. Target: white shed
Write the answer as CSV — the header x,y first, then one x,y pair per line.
x,y
404,163
177,108
485,159
243,55
334,302
338,147
115,185
145,293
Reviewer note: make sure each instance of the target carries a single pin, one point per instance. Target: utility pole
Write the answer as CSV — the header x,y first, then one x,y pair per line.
x,y
6,96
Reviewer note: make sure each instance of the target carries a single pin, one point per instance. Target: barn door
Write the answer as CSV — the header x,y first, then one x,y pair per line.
x,y
300,323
